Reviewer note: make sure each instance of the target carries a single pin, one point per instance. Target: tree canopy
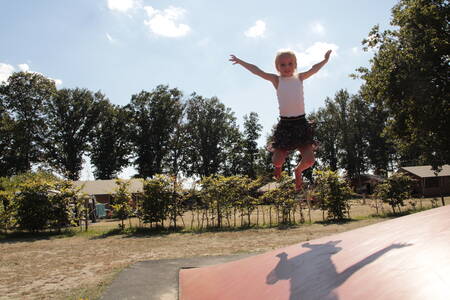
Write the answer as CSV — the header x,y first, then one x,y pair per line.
x,y
409,78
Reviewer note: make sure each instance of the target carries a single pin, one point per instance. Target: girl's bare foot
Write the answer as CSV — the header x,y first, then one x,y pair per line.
x,y
298,181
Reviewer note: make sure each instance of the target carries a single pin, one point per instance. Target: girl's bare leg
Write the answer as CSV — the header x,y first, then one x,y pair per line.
x,y
306,162
278,158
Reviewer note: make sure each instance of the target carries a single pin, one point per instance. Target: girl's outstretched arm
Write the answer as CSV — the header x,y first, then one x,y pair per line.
x,y
255,70
316,67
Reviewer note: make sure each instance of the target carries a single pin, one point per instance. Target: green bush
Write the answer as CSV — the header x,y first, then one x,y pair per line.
x,y
395,190
7,208
122,207
283,198
334,193
39,201
153,204
36,201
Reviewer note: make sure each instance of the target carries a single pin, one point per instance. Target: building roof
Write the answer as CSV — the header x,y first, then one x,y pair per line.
x,y
368,177
102,187
426,171
269,186
373,177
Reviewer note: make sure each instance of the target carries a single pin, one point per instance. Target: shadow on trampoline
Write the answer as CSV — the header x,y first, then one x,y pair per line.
x,y
313,275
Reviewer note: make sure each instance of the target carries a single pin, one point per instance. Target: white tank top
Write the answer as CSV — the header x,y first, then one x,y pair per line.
x,y
291,101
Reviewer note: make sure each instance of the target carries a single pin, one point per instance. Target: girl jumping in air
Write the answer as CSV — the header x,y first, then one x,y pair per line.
x,y
292,131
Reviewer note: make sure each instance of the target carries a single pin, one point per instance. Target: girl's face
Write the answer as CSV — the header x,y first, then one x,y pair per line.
x,y
286,65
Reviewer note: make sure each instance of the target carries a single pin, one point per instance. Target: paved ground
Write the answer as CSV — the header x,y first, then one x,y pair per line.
x,y
157,279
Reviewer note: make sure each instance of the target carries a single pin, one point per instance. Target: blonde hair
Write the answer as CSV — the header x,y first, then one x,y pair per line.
x,y
282,53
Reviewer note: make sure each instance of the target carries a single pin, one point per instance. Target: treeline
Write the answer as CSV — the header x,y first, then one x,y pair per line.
x,y
160,131
163,132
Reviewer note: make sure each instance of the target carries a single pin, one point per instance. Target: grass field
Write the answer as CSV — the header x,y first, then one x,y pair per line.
x,y
81,264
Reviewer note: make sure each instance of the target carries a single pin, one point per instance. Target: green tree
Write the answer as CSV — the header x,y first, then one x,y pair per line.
x,y
283,198
245,195
154,203
232,152
208,123
395,190
63,198
342,132
409,77
358,111
351,124
334,194
222,194
263,163
175,205
71,116
42,201
7,207
327,132
8,155
175,160
122,204
33,206
252,132
155,116
213,196
22,99
380,151
111,144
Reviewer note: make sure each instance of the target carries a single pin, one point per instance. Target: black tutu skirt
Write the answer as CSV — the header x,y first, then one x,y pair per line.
x,y
292,133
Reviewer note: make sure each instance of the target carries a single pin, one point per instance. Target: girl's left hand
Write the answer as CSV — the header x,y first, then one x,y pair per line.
x,y
234,59
327,55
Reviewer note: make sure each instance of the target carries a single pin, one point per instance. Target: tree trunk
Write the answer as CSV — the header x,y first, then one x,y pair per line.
x,y
257,216
263,215
270,216
86,205
219,217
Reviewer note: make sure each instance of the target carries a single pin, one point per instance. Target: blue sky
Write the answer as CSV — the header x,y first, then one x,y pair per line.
x,y
124,46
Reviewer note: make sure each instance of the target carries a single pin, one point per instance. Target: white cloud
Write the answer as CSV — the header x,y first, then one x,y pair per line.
x,y
317,28
166,22
7,70
24,67
315,54
58,82
256,30
123,5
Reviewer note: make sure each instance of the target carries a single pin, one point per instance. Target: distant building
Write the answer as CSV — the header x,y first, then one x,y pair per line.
x,y
365,183
103,190
428,183
268,187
